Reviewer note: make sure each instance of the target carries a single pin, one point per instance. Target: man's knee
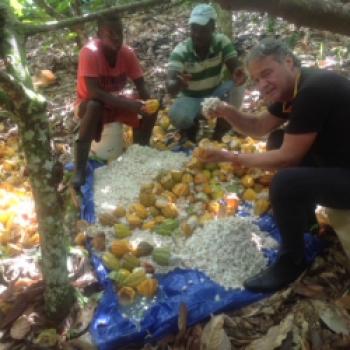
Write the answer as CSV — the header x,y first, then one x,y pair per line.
x,y
91,116
92,112
179,119
184,112
282,185
93,106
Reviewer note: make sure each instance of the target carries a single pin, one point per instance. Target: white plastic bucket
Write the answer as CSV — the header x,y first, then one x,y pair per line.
x,y
112,143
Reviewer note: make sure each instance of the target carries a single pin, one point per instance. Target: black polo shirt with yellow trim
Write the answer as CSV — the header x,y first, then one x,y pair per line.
x,y
321,105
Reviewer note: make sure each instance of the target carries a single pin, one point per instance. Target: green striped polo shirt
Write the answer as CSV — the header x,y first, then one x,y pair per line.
x,y
206,74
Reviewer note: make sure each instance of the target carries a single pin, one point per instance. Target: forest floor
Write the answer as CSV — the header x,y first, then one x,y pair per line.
x,y
312,313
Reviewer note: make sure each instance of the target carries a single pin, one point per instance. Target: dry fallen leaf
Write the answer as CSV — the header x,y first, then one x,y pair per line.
x,y
20,328
344,302
309,290
333,317
274,337
214,336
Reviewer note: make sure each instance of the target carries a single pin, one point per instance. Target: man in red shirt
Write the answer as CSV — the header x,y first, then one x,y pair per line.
x,y
105,64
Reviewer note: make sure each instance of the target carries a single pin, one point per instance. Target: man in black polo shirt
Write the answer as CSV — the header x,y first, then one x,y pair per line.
x,y
312,156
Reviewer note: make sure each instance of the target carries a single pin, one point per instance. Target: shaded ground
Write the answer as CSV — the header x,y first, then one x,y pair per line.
x,y
313,312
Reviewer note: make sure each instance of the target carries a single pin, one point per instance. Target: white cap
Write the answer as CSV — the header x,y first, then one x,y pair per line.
x,y
202,14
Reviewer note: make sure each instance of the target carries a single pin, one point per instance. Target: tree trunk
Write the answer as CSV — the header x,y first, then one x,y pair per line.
x,y
324,15
28,110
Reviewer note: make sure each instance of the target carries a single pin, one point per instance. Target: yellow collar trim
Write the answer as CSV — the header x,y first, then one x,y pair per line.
x,y
286,107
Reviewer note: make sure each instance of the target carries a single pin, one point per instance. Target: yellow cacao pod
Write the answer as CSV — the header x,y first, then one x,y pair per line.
x,y
247,181
120,247
249,195
139,210
151,106
107,219
119,212
148,288
126,295
110,261
261,206
149,225
80,239
134,279
177,175
170,196
200,178
122,230
170,211
154,211
186,229
164,123
119,276
129,261
159,219
181,189
205,218
167,182
147,199
134,220
199,152
187,178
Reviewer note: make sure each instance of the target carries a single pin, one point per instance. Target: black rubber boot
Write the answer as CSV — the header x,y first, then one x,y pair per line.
x,y
278,275
81,155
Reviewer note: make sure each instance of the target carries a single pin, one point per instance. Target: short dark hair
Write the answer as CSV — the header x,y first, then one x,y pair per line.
x,y
110,21
271,47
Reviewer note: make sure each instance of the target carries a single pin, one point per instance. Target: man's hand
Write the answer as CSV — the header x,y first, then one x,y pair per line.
x,y
222,110
177,82
134,105
183,79
151,106
211,155
239,76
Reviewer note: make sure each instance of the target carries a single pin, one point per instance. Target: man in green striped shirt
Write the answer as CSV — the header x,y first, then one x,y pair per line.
x,y
195,71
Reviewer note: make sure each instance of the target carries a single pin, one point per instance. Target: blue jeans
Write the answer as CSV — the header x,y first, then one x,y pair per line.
x,y
185,109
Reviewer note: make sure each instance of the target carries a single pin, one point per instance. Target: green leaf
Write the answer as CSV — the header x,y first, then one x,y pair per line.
x,y
17,7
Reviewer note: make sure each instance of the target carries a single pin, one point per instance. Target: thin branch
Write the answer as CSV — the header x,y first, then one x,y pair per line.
x,y
30,29
324,15
48,9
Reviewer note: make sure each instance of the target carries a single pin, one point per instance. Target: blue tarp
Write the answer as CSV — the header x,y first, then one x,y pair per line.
x,y
203,297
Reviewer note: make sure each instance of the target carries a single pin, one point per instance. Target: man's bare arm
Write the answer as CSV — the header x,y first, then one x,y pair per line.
x,y
248,124
109,99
